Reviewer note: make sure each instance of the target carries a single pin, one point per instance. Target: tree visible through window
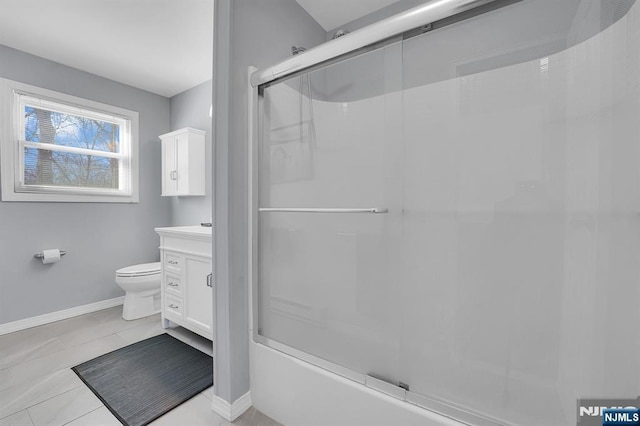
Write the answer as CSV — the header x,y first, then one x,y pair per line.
x,y
46,165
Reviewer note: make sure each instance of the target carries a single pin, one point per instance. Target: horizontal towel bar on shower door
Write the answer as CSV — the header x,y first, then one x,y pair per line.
x,y
374,210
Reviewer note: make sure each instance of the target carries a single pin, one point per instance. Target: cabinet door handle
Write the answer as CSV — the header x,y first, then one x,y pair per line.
x,y
173,262
172,284
210,280
173,175
172,306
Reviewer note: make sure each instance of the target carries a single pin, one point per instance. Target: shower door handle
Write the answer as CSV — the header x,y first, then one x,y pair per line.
x,y
373,210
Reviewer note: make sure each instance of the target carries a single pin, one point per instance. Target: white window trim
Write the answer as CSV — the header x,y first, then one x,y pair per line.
x,y
11,169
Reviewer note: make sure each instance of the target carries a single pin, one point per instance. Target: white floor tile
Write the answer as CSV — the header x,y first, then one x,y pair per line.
x,y
99,417
5,380
64,408
208,393
37,336
19,419
22,336
195,412
57,328
31,347
69,357
24,395
142,332
107,314
96,326
252,417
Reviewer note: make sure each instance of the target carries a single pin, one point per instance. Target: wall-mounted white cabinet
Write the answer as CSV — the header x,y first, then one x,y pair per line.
x,y
183,163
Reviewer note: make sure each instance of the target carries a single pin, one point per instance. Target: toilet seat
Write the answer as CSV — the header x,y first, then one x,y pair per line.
x,y
141,270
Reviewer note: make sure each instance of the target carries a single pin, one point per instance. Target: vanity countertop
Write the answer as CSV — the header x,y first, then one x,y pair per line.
x,y
195,231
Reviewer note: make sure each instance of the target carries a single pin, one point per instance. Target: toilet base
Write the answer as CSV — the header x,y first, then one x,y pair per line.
x,y
141,304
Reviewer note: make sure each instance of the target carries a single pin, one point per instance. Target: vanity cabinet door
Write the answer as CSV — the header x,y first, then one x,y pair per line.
x,y
198,294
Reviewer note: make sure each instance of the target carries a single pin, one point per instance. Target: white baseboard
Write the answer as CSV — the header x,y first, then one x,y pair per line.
x,y
23,324
230,412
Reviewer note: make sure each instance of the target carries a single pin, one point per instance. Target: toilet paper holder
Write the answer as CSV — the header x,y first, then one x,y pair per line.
x,y
41,255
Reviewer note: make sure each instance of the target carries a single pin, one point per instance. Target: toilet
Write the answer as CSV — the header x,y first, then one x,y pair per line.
x,y
142,286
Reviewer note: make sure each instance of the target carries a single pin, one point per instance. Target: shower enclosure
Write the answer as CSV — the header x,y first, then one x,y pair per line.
x,y
451,216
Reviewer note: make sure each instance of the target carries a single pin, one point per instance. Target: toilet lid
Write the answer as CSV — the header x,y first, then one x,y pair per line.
x,y
140,270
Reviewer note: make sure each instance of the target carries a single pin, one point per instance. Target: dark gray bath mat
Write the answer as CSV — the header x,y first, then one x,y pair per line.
x,y
141,382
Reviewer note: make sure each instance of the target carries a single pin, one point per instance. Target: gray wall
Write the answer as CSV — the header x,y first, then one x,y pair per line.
x,y
191,109
257,33
99,237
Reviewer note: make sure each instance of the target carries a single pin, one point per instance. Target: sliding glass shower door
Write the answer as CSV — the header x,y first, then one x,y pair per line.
x,y
330,219
520,210
484,229
455,213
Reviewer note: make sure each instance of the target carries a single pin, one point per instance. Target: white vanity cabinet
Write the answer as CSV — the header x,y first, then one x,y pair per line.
x,y
187,283
183,163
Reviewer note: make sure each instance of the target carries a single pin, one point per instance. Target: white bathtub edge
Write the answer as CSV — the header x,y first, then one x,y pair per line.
x,y
294,392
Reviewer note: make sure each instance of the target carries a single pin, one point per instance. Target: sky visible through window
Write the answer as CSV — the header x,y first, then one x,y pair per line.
x,y
70,169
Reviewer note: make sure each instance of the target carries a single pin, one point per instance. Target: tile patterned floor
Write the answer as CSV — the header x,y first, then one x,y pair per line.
x,y
38,388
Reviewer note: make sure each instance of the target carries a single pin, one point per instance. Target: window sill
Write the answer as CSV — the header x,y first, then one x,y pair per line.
x,y
68,198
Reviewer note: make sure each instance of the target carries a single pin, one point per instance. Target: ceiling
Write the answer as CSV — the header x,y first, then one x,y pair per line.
x,y
162,46
331,14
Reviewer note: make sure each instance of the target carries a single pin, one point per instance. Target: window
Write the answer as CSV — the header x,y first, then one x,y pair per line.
x,y
57,147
